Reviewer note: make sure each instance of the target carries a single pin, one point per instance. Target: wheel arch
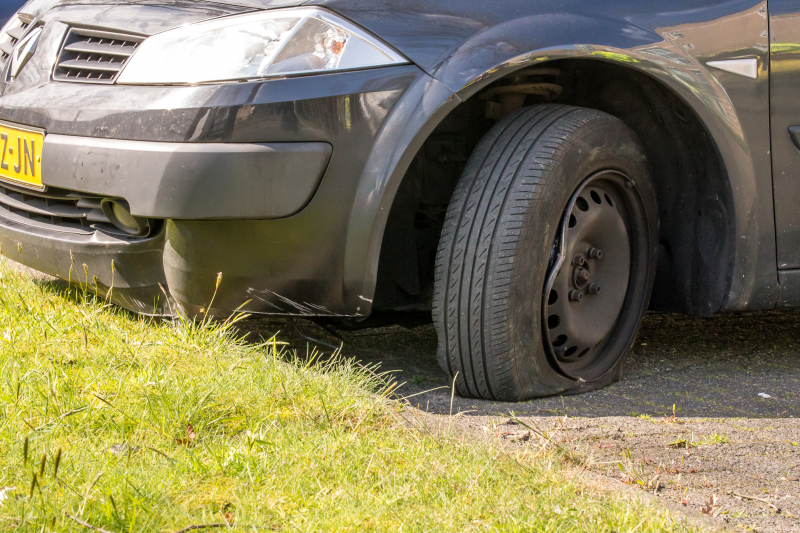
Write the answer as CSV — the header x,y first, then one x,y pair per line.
x,y
719,251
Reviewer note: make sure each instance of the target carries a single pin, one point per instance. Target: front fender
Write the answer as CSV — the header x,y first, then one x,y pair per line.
x,y
496,51
733,110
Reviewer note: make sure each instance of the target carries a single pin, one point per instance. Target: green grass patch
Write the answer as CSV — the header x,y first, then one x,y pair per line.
x,y
704,440
133,424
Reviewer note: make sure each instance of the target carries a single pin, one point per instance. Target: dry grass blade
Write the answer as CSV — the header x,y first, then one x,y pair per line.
x,y
63,416
762,500
206,526
87,524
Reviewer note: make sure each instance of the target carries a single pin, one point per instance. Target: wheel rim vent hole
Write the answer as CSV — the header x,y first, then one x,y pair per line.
x,y
571,351
553,321
561,340
582,204
608,199
596,197
584,352
552,298
572,221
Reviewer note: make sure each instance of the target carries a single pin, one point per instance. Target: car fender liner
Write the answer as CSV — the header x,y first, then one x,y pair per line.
x,y
192,181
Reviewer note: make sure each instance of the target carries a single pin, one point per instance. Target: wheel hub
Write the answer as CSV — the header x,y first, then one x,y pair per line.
x,y
588,292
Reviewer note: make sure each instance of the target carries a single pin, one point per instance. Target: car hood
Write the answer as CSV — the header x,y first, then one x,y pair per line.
x,y
477,35
427,32
146,17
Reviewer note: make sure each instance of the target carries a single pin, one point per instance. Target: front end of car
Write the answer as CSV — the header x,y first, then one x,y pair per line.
x,y
149,147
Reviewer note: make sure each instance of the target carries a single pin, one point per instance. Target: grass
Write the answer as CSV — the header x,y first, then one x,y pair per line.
x,y
118,423
704,440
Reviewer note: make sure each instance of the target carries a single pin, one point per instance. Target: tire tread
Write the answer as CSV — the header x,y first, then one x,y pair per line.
x,y
485,222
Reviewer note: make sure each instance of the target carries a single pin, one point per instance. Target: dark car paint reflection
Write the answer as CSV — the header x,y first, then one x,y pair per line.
x,y
377,120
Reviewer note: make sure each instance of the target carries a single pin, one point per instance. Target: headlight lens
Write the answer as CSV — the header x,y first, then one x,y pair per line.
x,y
279,42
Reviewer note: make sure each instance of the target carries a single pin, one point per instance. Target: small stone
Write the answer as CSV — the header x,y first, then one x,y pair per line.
x,y
4,492
122,448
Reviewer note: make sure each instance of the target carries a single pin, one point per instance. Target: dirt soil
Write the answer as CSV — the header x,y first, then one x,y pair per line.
x,y
707,416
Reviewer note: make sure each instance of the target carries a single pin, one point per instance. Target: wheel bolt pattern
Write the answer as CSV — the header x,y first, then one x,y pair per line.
x,y
575,296
595,253
576,329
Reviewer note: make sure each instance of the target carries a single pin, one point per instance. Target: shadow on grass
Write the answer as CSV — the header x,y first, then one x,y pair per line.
x,y
319,355
729,365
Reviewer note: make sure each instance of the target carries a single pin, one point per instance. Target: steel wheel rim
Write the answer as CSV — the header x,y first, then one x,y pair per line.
x,y
589,274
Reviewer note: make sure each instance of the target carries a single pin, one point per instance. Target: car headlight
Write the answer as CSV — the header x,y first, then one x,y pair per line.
x,y
278,42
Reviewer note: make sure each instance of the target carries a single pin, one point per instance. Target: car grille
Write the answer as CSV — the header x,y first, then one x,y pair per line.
x,y
92,56
55,209
13,34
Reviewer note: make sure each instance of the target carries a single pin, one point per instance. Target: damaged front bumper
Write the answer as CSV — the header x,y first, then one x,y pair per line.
x,y
96,260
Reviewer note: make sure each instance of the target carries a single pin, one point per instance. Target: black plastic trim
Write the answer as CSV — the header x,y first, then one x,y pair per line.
x,y
213,181
789,282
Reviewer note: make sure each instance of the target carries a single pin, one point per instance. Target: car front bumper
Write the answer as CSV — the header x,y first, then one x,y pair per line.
x,y
159,181
187,180
96,261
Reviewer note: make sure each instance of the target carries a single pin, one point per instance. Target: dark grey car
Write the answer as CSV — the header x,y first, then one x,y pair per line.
x,y
532,171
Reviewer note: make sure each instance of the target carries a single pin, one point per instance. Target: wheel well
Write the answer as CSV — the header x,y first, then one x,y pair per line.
x,y
695,206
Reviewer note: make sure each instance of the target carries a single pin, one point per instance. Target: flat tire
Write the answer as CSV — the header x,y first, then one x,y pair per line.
x,y
547,257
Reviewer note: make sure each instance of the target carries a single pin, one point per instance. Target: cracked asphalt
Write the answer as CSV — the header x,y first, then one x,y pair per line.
x,y
706,415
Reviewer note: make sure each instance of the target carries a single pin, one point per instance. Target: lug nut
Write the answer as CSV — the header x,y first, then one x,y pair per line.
x,y
575,296
578,260
583,274
593,289
595,253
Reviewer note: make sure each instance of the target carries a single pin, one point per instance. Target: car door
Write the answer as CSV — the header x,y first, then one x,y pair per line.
x,y
785,127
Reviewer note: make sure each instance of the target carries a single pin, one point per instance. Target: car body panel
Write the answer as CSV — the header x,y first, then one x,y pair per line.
x,y
8,8
182,180
146,18
324,259
269,262
468,45
136,281
785,95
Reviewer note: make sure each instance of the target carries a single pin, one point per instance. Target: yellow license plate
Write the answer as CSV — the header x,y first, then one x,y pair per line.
x,y
21,159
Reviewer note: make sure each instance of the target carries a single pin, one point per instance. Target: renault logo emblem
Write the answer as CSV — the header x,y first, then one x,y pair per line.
x,y
24,51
